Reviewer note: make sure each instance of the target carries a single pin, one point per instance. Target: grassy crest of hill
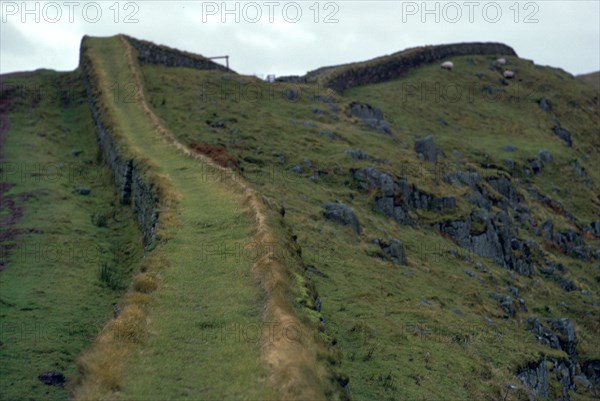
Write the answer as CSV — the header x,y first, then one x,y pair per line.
x,y
443,323
592,79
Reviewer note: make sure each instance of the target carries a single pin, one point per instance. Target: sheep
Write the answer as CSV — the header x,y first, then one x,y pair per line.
x,y
508,74
501,61
447,65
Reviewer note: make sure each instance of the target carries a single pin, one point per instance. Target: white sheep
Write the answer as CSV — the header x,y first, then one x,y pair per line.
x,y
447,65
501,61
508,74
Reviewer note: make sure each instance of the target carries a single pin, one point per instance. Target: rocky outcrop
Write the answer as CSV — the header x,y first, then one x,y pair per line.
x,y
490,236
574,376
396,198
151,53
369,116
133,186
535,376
396,65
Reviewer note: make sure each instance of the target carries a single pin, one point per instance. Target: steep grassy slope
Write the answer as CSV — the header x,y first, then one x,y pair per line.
x,y
55,243
431,327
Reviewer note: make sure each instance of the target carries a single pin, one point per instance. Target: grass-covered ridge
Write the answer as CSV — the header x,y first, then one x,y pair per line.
x,y
222,283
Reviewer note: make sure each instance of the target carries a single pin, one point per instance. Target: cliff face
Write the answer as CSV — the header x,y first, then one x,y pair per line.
x,y
132,186
150,53
391,67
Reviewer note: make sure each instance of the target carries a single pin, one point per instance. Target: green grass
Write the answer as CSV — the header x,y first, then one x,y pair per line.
x,y
374,311
206,298
53,302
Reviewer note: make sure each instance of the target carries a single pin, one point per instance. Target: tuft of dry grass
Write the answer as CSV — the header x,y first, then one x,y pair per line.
x,y
146,282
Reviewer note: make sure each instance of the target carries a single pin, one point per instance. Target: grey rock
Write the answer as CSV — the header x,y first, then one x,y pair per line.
x,y
506,302
297,169
479,200
375,179
567,285
427,148
291,94
566,335
509,148
563,134
504,186
535,376
364,111
52,378
536,166
357,154
371,117
342,214
394,250
76,152
468,178
595,226
545,156
510,164
330,134
591,369
543,334
82,191
545,105
318,304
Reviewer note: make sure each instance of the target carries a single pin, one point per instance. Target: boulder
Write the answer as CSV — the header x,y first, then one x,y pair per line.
x,y
545,156
52,378
427,148
545,105
393,249
342,214
291,94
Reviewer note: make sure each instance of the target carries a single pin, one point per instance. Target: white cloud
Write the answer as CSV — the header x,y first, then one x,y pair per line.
x,y
567,34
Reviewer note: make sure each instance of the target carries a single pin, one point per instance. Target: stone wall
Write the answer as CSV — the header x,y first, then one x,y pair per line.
x,y
133,186
391,67
150,53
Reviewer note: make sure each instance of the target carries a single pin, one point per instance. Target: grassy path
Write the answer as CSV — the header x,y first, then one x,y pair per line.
x,y
216,324
202,295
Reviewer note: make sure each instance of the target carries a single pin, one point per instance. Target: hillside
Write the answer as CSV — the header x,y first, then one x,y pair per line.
x,y
378,230
592,79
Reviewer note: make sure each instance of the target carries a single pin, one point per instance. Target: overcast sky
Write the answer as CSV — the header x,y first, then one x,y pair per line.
x,y
285,37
